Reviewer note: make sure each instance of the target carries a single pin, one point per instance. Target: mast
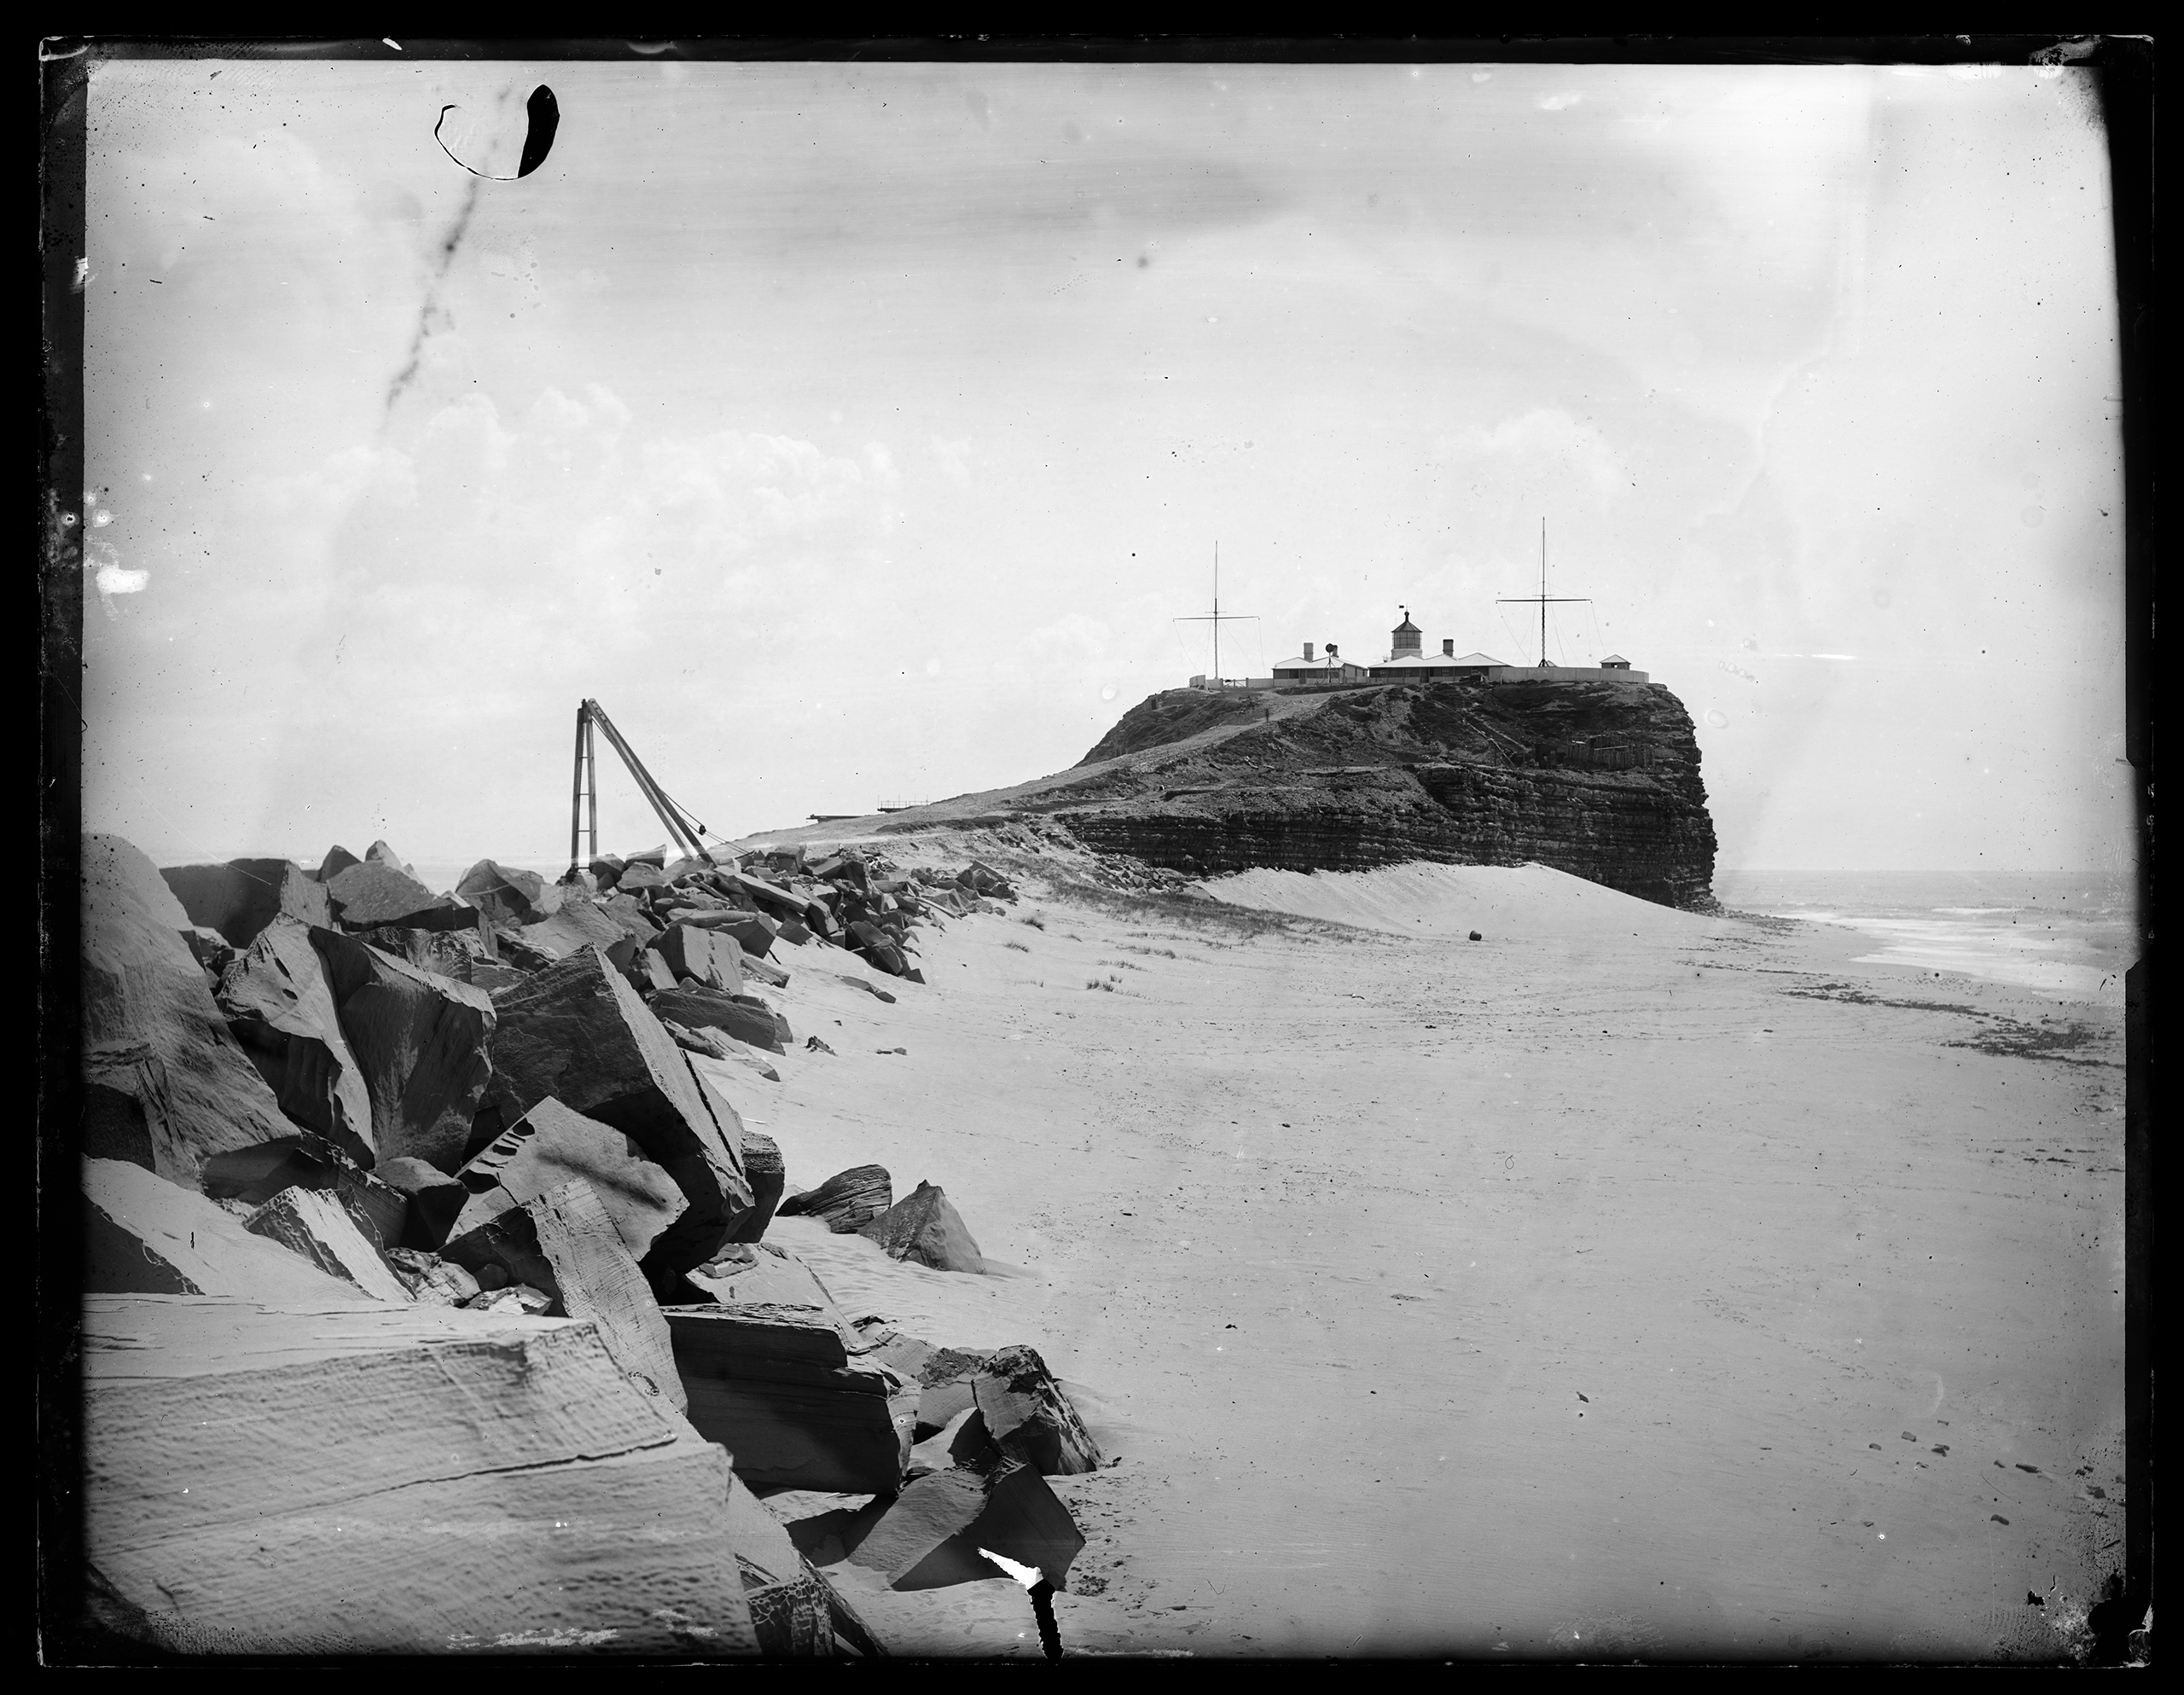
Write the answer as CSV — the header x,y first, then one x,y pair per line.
x,y
1217,617
1543,598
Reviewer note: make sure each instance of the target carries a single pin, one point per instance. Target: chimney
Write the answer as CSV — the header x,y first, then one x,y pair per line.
x,y
1449,646
1308,652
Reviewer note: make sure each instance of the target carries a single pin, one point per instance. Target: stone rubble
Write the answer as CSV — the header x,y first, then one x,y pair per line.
x,y
379,1179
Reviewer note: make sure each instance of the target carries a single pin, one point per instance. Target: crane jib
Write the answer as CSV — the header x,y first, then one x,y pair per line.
x,y
681,829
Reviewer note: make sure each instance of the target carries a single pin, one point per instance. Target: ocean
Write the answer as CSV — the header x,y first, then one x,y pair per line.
x,y
2073,936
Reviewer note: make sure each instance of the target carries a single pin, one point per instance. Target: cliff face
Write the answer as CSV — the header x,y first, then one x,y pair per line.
x,y
1599,780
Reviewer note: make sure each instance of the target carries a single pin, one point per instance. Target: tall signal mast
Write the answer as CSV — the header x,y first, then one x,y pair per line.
x,y
1543,599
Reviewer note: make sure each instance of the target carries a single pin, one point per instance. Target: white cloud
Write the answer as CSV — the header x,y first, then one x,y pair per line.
x,y
1557,102
1545,446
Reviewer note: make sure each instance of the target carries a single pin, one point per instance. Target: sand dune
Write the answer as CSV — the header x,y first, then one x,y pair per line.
x,y
1453,900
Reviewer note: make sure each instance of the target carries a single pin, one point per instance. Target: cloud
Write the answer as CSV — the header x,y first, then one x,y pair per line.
x,y
1557,102
486,547
1543,448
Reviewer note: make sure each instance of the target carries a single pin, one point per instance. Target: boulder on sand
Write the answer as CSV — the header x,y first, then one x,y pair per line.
x,y
242,896
764,971
762,1167
846,1201
496,1483
741,1016
577,1031
165,1084
278,1005
693,952
931,1536
753,932
1020,1414
925,1227
778,1388
420,1041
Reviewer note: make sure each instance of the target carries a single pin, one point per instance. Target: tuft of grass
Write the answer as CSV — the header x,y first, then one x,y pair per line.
x,y
1020,947
1031,919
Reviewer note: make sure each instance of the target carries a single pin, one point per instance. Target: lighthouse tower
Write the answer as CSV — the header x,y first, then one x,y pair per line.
x,y
1405,638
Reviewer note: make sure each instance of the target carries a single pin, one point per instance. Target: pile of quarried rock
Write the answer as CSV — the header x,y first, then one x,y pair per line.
x,y
429,1303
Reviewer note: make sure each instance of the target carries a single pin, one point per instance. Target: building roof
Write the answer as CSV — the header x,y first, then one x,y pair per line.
x,y
1406,625
1479,660
1615,659
1325,662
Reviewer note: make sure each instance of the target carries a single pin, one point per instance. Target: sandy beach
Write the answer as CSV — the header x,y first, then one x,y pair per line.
x,y
1625,1282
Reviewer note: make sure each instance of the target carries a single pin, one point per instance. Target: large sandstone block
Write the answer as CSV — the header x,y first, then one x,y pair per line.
x,y
753,932
435,1201
144,1235
421,1042
778,1388
253,1176
578,1032
693,952
598,1278
639,874
314,1225
790,1603
165,1084
742,1017
323,1479
931,1536
379,853
1020,1412
550,1146
372,892
279,1007
466,953
510,897
242,896
925,1227
578,924
762,1275
338,860
781,902
762,1167
847,1201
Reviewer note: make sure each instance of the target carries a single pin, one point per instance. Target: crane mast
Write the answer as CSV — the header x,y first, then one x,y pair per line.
x,y
682,830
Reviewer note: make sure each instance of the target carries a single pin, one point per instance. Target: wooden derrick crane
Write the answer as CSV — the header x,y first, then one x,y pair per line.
x,y
682,829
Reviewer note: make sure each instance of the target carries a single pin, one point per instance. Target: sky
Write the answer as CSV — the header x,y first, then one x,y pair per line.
x,y
855,434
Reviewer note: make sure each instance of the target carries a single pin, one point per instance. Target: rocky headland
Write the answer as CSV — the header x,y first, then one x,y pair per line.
x,y
1600,780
